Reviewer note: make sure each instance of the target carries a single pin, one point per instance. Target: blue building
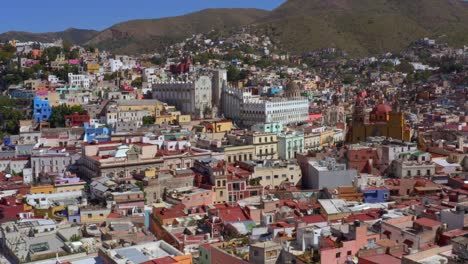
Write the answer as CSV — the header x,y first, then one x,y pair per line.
x,y
42,110
21,93
274,90
375,194
100,134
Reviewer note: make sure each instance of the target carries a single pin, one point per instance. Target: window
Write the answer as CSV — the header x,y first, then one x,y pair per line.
x,y
338,254
349,253
428,172
276,176
408,173
101,214
236,186
256,253
90,215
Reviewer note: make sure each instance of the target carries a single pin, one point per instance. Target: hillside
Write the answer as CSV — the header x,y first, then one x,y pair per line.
x,y
77,36
359,27
146,35
364,26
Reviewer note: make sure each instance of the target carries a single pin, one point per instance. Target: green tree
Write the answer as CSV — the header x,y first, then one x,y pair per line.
x,y
148,120
138,82
67,45
405,67
63,72
387,66
140,185
57,118
349,79
158,60
10,115
232,73
263,63
422,76
75,238
7,52
110,76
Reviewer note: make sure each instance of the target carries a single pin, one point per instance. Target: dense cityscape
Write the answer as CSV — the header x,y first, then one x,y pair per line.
x,y
227,148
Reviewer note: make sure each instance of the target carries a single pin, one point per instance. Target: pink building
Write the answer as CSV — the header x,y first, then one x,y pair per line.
x,y
74,61
358,237
218,255
193,198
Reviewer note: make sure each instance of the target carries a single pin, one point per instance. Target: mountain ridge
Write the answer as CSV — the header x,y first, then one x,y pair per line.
x,y
359,27
74,35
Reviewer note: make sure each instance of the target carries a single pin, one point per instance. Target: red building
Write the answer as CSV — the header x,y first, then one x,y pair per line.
x,y
362,159
182,67
238,187
76,120
12,209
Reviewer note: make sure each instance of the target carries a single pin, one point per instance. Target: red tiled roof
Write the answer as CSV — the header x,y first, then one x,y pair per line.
x,y
312,219
381,258
360,217
427,222
163,260
114,215
232,214
455,233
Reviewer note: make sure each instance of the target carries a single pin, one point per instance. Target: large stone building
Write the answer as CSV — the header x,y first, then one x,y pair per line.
x,y
191,97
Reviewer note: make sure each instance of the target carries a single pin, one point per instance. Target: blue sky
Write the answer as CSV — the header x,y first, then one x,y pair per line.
x,y
57,15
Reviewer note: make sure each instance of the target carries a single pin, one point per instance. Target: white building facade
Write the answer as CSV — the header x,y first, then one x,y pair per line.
x,y
248,109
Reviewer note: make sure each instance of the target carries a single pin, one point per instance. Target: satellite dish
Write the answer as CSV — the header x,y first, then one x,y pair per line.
x,y
8,176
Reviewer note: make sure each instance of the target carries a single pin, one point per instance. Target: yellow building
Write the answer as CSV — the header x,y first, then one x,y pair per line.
x,y
381,121
92,68
326,137
69,187
220,189
52,97
215,126
154,106
239,153
42,189
265,144
94,215
172,118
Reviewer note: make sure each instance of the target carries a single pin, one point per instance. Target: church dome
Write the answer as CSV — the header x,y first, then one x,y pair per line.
x,y
382,109
292,89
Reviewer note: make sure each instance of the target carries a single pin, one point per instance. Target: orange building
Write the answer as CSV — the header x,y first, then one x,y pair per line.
x,y
36,53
